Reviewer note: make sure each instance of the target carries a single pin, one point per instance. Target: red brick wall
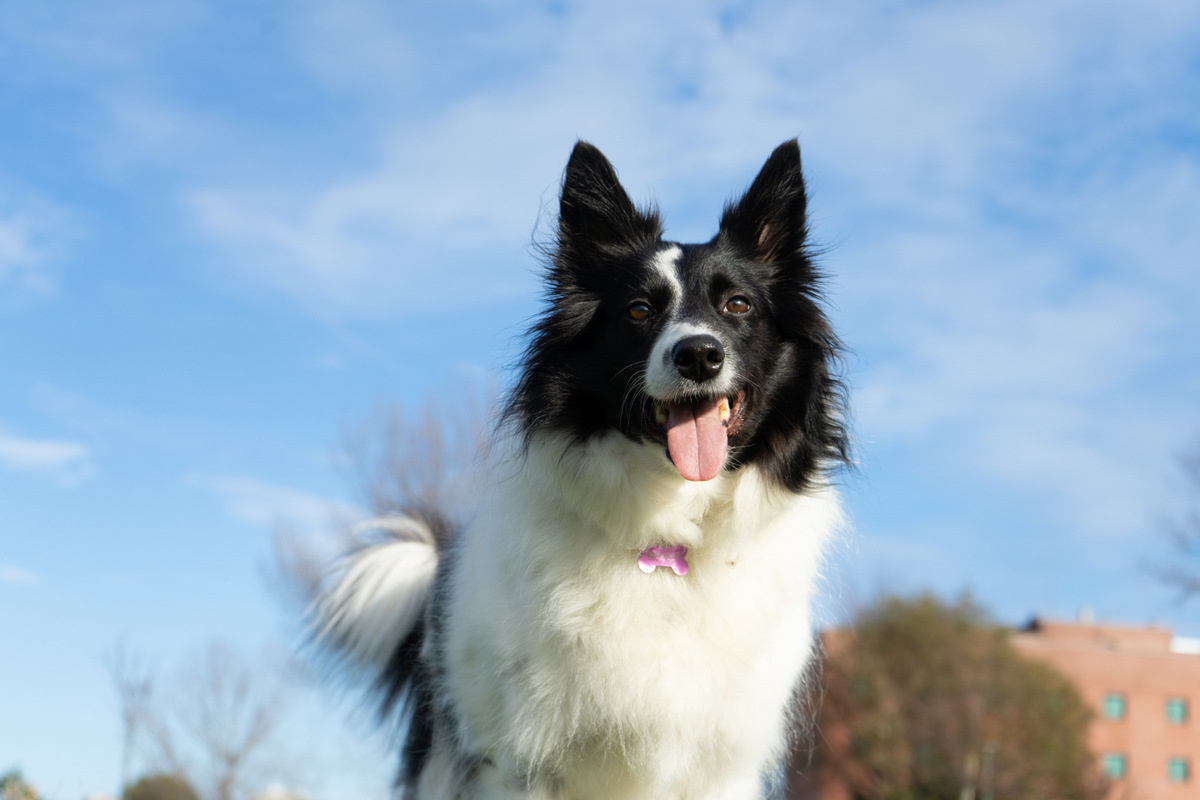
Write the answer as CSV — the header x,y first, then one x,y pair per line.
x,y
1138,663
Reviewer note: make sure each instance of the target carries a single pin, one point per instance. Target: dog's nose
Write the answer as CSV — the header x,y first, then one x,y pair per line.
x,y
698,358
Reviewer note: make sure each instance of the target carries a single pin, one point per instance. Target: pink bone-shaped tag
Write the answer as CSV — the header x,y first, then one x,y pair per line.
x,y
673,556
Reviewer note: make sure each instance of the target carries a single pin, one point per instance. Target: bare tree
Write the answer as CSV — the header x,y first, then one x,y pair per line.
x,y
422,462
401,462
1181,569
298,564
131,680
218,727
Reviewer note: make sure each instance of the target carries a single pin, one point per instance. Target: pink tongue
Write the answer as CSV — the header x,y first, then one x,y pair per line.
x,y
697,439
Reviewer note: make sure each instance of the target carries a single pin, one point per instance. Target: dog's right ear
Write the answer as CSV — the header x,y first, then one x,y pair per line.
x,y
595,214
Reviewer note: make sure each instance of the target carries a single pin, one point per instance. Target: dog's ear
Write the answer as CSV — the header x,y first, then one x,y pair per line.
x,y
768,223
595,213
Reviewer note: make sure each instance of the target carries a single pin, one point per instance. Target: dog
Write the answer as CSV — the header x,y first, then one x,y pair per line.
x,y
627,614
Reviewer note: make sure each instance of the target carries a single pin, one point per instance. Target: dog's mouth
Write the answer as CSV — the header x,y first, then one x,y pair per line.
x,y
697,432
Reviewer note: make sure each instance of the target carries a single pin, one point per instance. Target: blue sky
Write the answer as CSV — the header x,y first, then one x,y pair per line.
x,y
228,230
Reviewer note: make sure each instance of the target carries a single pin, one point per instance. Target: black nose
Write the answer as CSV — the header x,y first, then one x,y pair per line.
x,y
698,358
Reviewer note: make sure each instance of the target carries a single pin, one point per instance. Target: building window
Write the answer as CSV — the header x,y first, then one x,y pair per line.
x,y
1178,770
1177,710
1116,765
1114,705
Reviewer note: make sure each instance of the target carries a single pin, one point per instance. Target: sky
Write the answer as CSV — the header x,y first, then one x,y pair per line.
x,y
228,231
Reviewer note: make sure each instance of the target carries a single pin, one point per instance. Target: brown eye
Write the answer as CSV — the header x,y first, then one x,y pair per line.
x,y
737,305
639,311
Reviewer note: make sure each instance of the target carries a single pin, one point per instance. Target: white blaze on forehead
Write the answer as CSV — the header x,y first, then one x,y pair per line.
x,y
663,381
665,263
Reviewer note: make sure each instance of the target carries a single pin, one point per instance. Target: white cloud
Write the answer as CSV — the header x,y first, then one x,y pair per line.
x,y
1016,221
1018,234
95,39
338,255
31,234
1019,277
447,204
1028,372
18,576
66,460
360,47
926,108
265,505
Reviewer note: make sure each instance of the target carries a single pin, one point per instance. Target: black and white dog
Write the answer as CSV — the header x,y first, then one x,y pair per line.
x,y
627,613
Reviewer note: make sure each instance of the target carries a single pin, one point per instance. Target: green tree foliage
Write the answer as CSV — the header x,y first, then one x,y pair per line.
x,y
160,786
926,701
14,787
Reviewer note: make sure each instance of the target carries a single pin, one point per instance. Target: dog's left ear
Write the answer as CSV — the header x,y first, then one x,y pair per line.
x,y
768,222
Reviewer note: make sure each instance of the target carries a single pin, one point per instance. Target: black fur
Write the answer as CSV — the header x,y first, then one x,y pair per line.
x,y
580,375
411,681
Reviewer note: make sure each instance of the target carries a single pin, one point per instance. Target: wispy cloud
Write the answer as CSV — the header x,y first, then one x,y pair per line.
x,y
18,576
66,460
266,505
943,104
1014,222
32,233
1011,187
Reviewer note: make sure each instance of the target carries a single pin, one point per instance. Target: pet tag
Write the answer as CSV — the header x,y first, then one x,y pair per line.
x,y
674,556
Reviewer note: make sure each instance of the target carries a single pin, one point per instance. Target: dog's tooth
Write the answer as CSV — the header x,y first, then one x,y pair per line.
x,y
660,414
724,411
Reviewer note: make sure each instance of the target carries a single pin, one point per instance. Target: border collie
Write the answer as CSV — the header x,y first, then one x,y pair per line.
x,y
627,613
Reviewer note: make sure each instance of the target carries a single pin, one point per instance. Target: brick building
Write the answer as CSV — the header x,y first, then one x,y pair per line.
x,y
1143,685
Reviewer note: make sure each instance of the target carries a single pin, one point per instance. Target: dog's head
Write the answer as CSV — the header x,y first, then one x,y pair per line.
x,y
718,351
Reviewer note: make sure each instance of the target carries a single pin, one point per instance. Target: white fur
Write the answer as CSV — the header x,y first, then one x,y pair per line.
x,y
568,663
664,263
378,595
571,673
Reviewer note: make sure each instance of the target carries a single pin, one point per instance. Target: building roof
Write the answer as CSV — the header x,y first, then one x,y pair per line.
x,y
1089,636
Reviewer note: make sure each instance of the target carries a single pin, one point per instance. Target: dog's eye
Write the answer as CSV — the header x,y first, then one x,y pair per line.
x,y
639,311
737,305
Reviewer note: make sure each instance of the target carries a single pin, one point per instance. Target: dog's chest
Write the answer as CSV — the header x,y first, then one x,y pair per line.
x,y
563,652
621,649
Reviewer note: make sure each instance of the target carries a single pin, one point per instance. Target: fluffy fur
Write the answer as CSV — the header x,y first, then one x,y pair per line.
x,y
675,395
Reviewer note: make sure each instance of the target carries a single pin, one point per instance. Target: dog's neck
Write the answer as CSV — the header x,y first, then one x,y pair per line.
x,y
628,492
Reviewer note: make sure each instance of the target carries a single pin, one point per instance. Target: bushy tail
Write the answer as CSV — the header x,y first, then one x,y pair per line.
x,y
373,608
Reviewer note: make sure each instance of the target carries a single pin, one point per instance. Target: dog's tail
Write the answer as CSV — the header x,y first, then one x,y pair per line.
x,y
371,613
